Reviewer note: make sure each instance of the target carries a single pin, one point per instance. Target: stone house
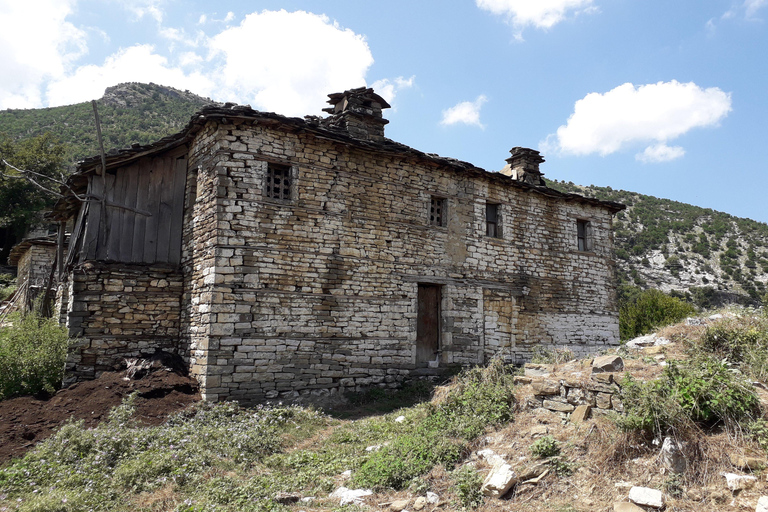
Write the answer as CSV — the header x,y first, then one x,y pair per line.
x,y
283,257
33,258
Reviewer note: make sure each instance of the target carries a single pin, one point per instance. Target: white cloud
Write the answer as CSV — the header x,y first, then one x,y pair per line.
x,y
288,62
141,8
466,112
537,13
277,61
388,89
630,115
135,64
752,6
660,153
36,43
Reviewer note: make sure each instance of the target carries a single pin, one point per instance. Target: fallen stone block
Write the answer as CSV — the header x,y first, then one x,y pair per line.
x,y
350,496
647,497
581,413
499,481
609,363
672,456
762,504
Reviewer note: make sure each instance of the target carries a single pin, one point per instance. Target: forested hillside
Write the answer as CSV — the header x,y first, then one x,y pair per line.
x,y
130,113
712,256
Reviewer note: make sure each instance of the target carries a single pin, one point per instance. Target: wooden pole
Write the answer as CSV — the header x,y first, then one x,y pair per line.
x,y
60,249
103,158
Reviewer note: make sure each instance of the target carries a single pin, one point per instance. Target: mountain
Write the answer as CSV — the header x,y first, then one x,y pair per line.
x,y
709,256
130,113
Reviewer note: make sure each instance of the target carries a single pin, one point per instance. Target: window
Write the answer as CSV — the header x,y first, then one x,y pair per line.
x,y
492,227
583,235
278,182
437,211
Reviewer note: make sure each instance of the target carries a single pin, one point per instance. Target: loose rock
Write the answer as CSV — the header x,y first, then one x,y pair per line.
x,y
671,456
350,496
399,505
609,363
499,481
762,504
647,497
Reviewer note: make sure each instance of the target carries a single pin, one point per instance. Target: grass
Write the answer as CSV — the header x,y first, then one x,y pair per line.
x,y
226,458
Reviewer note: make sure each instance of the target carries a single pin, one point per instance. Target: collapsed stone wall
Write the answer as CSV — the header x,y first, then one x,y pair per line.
x,y
318,294
601,392
117,311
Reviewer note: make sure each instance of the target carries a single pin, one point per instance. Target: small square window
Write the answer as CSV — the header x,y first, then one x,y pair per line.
x,y
583,235
437,211
492,225
278,182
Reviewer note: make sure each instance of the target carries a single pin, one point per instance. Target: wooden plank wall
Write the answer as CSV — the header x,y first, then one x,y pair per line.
x,y
149,229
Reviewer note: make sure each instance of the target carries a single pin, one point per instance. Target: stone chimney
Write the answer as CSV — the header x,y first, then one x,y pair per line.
x,y
523,166
358,111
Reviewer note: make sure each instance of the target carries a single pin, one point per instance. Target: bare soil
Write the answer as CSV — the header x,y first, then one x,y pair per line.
x,y
25,421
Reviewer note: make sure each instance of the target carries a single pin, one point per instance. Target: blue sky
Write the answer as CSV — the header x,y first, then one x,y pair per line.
x,y
658,97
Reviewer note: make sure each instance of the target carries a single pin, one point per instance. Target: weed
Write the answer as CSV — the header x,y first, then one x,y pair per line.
x,y
478,398
545,447
467,484
673,485
743,342
543,355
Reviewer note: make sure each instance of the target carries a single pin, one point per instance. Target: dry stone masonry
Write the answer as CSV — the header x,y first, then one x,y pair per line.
x,y
316,256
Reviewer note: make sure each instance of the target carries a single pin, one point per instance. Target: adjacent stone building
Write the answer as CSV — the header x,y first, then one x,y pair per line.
x,y
33,258
283,256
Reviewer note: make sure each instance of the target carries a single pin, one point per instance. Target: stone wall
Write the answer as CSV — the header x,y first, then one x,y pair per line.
x,y
33,271
600,391
319,294
117,311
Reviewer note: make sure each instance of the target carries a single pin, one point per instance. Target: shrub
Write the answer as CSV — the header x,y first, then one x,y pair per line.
x,y
467,484
32,355
650,310
703,391
545,447
743,342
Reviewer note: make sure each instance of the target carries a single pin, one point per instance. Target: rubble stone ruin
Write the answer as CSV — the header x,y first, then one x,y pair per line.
x,y
285,257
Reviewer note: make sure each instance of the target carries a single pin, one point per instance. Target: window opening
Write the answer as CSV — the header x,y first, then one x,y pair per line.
x,y
278,185
492,220
582,234
437,211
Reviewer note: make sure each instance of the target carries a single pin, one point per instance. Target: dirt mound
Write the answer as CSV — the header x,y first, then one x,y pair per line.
x,y
26,421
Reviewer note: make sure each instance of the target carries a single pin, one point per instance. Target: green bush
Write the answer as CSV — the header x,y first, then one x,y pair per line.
x,y
33,351
650,310
545,447
478,399
703,391
467,484
743,342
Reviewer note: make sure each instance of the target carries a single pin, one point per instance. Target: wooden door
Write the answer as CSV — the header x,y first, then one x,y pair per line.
x,y
428,324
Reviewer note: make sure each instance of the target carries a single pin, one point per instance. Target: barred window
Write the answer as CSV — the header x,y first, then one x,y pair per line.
x,y
437,211
278,182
